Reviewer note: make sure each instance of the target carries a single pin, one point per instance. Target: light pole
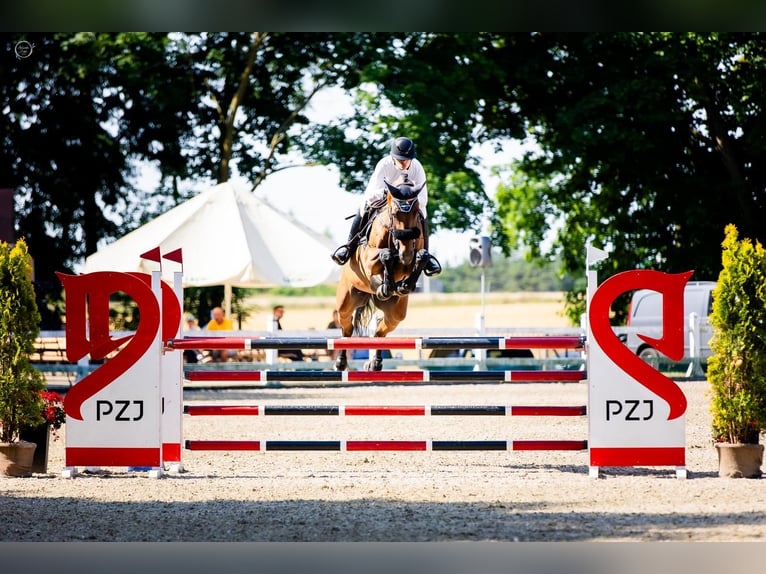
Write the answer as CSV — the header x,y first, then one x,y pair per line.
x,y
480,256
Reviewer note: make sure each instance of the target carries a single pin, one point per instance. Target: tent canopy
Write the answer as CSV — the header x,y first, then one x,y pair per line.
x,y
229,237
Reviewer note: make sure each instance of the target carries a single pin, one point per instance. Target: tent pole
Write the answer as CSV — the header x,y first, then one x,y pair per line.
x,y
227,300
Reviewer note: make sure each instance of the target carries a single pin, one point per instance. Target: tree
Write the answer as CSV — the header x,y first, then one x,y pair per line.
x,y
440,90
20,383
83,109
76,110
737,368
649,145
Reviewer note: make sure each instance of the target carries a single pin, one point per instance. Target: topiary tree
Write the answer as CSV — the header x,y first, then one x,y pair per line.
x,y
737,369
21,384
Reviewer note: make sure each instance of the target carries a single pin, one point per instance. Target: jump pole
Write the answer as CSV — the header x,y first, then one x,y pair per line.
x,y
390,376
385,445
365,343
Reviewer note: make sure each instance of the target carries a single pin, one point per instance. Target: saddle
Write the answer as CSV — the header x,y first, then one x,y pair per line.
x,y
368,217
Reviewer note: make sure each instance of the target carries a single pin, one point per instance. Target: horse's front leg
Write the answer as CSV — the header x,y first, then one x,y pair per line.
x,y
341,361
386,288
375,363
408,284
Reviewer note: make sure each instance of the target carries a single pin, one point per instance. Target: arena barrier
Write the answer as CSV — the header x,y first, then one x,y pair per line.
x,y
129,411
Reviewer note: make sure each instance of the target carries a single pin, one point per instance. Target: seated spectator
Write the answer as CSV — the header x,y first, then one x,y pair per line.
x,y
220,323
191,328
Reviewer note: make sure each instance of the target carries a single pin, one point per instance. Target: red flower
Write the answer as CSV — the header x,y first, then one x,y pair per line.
x,y
53,410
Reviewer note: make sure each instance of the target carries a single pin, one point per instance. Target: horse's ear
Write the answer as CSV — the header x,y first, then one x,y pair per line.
x,y
421,186
391,188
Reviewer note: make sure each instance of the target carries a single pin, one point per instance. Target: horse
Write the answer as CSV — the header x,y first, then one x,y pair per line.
x,y
383,270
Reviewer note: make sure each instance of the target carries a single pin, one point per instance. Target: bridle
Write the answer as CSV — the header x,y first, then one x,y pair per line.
x,y
397,236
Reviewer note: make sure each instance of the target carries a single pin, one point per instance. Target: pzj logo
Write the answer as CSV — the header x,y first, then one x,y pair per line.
x,y
634,410
120,410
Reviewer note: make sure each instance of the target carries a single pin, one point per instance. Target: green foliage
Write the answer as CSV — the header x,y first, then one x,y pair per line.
x,y
504,275
737,369
649,143
21,384
645,144
316,290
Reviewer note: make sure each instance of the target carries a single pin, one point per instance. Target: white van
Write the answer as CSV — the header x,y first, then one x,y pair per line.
x,y
645,317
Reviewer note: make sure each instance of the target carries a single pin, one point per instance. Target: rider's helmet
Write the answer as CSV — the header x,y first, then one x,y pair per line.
x,y
403,149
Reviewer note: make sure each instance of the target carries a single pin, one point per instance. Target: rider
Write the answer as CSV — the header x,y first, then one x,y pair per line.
x,y
399,165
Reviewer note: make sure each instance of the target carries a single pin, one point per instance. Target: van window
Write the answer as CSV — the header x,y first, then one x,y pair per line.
x,y
695,300
649,305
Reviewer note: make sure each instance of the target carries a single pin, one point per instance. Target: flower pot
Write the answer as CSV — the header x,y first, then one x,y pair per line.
x,y
16,458
739,460
40,435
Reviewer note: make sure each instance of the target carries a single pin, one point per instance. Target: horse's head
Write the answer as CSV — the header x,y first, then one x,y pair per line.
x,y
403,205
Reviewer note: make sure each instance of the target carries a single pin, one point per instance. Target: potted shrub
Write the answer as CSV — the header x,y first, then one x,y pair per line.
x,y
737,367
21,384
54,418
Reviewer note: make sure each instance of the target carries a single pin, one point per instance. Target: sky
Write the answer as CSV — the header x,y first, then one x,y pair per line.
x,y
312,195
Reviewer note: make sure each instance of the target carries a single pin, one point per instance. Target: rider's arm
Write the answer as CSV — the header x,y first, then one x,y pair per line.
x,y
376,187
418,175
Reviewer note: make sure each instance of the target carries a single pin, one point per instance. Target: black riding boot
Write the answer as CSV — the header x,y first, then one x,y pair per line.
x,y
344,252
433,267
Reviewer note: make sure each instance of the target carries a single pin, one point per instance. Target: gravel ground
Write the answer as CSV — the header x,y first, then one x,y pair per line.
x,y
408,497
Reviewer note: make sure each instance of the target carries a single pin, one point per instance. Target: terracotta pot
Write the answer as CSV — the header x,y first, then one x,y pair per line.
x,y
739,460
16,458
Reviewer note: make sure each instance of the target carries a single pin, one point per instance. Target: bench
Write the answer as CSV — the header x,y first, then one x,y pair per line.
x,y
50,350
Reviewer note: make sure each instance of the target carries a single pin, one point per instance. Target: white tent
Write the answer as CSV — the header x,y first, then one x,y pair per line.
x,y
229,237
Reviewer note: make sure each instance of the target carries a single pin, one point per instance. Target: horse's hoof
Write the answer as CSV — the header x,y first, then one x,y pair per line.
x,y
341,365
433,267
373,365
383,293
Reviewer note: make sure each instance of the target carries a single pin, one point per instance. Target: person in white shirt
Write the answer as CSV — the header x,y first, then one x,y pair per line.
x,y
400,165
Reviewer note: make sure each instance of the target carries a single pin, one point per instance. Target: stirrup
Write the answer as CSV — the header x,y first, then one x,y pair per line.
x,y
433,267
342,255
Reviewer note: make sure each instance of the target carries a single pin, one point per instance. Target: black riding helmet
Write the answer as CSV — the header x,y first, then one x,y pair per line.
x,y
403,148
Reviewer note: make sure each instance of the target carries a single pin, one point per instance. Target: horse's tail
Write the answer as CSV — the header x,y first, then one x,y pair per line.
x,y
365,321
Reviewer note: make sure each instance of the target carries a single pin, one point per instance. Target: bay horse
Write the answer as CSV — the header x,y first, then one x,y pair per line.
x,y
384,270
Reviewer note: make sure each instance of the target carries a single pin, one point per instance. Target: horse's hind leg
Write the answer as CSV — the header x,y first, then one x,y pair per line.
x,y
347,300
394,312
341,361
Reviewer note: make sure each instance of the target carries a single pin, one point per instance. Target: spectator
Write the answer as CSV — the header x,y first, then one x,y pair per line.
x,y
335,322
191,327
290,354
219,322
